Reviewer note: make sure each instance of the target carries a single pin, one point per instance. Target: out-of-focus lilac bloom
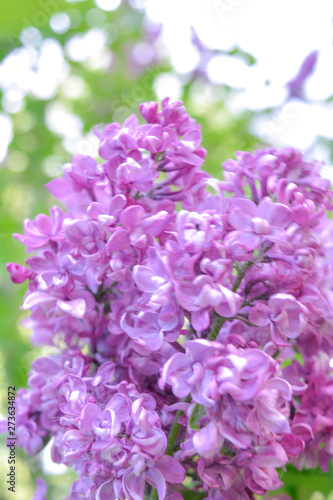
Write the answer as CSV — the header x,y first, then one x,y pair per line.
x,y
41,489
296,85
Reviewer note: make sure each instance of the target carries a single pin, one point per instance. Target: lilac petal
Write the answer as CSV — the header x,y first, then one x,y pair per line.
x,y
277,338
117,203
304,431
118,241
198,349
76,307
106,491
121,406
35,298
131,217
193,135
238,439
238,221
146,279
155,478
208,440
133,485
111,426
41,490
60,188
45,365
275,213
280,385
230,303
90,414
241,213
259,314
4,426
175,495
178,363
270,454
171,469
154,444
155,224
132,122
76,444
200,320
186,294
293,445
251,483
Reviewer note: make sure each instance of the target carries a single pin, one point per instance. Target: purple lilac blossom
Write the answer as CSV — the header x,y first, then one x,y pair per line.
x,y
221,311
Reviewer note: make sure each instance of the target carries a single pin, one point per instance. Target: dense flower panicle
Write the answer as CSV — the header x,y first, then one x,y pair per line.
x,y
220,309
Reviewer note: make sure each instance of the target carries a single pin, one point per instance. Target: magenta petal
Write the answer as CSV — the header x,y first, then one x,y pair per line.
x,y
144,279
208,440
280,385
275,213
106,491
251,483
175,495
270,455
277,338
242,211
293,445
229,304
76,307
131,217
240,439
171,469
133,485
91,413
118,241
259,314
60,188
121,406
76,444
41,489
35,298
304,431
156,479
155,224
154,443
200,320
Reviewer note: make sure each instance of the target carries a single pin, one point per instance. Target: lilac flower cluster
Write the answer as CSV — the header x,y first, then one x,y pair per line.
x,y
190,318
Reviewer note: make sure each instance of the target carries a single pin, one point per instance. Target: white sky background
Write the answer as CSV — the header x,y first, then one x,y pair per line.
x,y
279,34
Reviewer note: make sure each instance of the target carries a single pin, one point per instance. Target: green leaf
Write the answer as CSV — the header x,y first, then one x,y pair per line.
x,y
197,413
191,495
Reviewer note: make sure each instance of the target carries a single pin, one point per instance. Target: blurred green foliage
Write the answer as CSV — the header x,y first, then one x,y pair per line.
x,y
109,94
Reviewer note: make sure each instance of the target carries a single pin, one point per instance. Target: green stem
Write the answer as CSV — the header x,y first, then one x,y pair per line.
x,y
175,428
217,325
241,275
153,494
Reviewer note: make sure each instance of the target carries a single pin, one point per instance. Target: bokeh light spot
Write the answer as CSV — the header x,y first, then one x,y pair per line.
x,y
60,22
108,4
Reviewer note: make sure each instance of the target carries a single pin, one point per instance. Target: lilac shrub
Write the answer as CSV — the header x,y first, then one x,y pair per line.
x,y
190,317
